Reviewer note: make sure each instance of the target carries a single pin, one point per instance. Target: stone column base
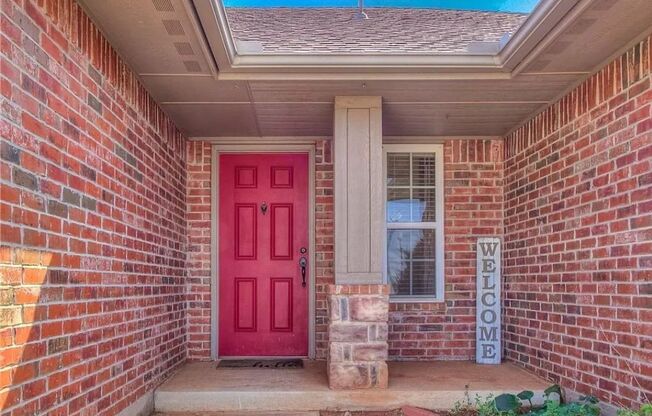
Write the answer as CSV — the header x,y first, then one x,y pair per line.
x,y
357,336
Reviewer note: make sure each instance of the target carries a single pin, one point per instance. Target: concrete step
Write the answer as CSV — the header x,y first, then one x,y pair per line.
x,y
236,414
201,387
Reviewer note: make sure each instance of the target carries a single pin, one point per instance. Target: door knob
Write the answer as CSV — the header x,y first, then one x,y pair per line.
x,y
303,263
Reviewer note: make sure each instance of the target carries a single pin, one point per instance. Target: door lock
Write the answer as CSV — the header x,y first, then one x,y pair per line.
x,y
303,263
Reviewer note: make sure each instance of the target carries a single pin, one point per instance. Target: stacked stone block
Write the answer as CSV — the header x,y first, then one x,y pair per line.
x,y
357,332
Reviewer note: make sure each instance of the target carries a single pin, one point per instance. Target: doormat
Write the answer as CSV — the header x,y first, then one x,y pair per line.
x,y
273,363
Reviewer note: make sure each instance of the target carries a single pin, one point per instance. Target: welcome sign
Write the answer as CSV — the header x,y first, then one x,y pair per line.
x,y
488,350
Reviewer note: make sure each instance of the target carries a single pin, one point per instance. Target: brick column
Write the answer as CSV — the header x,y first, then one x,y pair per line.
x,y
357,334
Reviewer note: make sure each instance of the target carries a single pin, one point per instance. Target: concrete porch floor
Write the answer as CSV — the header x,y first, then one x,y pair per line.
x,y
198,387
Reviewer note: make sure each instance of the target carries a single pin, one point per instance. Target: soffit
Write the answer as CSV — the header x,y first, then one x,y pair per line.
x,y
282,104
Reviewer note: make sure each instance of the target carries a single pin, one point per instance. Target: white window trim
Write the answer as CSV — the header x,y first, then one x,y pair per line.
x,y
438,150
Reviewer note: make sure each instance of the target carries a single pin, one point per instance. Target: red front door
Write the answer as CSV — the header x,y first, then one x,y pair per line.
x,y
263,218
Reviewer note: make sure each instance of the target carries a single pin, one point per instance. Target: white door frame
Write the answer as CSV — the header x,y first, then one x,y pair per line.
x,y
249,147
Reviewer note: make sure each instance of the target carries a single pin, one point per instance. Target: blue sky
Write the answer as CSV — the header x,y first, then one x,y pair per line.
x,y
523,6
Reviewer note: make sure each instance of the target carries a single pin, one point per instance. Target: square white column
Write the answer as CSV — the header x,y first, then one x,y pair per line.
x,y
359,207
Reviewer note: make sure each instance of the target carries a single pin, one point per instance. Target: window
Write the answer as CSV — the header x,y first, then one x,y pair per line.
x,y
414,213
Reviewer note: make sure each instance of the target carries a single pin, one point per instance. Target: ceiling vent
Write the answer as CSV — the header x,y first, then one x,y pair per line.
x,y
192,66
173,27
184,48
163,5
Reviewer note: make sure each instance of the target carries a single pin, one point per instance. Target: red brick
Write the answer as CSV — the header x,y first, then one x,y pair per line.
x,y
540,313
62,147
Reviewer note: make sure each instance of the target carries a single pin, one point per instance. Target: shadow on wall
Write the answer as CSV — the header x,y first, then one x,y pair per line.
x,y
24,294
92,221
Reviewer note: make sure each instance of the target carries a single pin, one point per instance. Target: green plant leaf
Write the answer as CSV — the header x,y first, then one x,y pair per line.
x,y
507,403
646,409
525,395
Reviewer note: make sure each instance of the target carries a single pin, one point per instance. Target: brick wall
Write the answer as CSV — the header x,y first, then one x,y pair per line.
x,y
92,220
578,236
473,181
198,264
325,236
473,198
199,249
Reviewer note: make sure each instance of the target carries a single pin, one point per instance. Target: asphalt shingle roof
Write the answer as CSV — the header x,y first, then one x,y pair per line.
x,y
388,30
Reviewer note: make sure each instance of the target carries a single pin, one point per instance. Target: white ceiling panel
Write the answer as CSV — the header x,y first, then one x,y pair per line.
x,y
170,88
200,120
540,88
452,119
295,119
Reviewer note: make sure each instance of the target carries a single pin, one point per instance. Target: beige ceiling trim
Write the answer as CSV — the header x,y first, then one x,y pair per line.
x,y
579,73
258,62
554,33
260,139
545,16
212,19
201,38
226,140
271,76
168,74
361,76
433,139
331,102
463,102
204,102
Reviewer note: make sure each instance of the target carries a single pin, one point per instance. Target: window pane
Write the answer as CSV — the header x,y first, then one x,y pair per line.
x,y
411,195
411,262
423,169
423,206
424,249
423,278
399,205
398,169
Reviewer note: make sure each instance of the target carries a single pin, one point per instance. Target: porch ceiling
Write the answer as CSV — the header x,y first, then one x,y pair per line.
x,y
166,44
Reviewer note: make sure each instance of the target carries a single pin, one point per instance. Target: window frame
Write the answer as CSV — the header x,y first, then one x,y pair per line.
x,y
438,225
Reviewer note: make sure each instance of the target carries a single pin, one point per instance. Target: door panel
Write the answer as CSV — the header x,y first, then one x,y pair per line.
x,y
246,231
281,228
245,307
263,218
281,301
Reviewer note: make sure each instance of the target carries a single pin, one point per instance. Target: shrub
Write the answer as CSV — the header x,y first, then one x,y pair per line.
x,y
645,410
553,404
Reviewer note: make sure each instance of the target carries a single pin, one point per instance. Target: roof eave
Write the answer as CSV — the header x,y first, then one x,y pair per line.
x,y
211,16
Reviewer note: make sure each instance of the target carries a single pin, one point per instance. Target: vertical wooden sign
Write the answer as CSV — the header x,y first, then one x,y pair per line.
x,y
488,303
